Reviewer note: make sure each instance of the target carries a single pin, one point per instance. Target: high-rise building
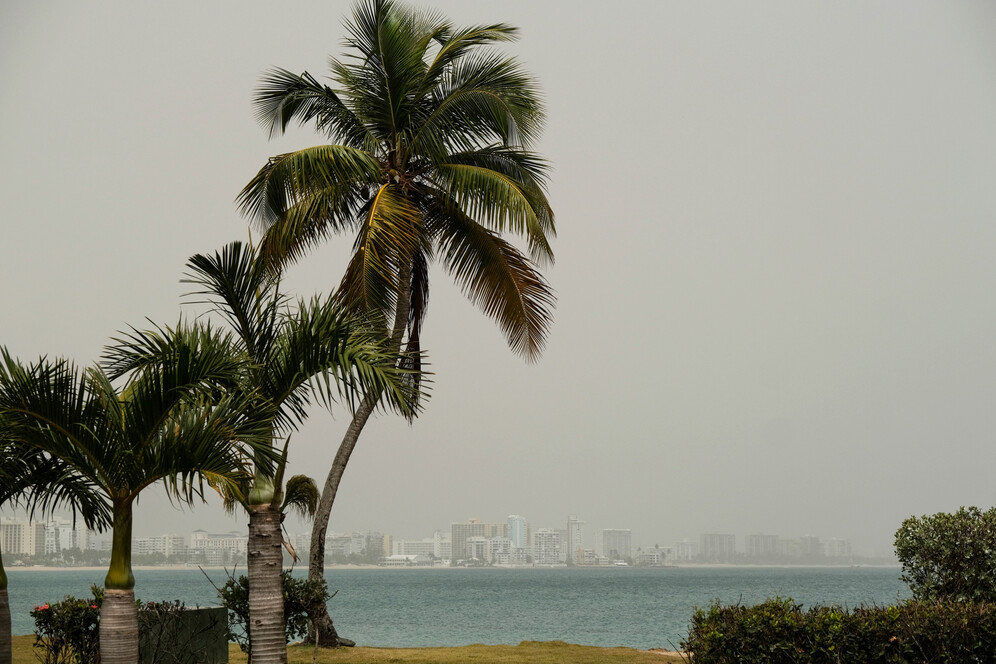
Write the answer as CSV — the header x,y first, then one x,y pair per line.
x,y
22,537
518,531
575,538
718,547
686,550
615,543
460,532
547,547
837,548
761,546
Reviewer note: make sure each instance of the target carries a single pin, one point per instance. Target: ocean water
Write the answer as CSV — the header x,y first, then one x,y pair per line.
x,y
634,607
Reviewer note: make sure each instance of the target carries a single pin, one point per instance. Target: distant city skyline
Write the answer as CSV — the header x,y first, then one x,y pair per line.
x,y
473,538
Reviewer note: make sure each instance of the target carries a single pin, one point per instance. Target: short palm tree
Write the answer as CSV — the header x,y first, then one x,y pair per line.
x,y
31,479
315,347
169,422
429,159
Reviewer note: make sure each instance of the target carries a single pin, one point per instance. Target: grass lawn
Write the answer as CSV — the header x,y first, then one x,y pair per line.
x,y
527,652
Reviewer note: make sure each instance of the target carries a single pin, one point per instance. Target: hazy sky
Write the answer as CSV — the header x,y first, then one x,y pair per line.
x,y
775,263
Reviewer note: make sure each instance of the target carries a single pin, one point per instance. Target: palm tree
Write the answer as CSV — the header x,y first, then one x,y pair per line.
x,y
429,158
316,347
170,422
40,483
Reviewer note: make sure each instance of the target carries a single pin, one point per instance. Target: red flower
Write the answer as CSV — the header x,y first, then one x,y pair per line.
x,y
44,606
93,606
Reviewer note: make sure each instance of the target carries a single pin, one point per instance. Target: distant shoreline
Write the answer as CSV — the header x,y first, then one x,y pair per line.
x,y
221,568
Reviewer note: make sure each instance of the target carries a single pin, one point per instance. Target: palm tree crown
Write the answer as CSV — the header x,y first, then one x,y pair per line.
x,y
431,129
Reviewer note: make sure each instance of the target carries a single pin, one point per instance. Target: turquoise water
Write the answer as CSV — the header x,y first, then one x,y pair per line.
x,y
635,607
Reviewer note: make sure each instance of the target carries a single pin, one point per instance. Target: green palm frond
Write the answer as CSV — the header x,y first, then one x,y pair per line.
x,y
388,237
444,120
42,483
500,199
287,178
496,277
454,45
283,96
300,495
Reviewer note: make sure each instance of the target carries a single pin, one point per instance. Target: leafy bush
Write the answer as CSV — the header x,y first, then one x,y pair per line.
x,y
301,598
950,556
68,632
779,631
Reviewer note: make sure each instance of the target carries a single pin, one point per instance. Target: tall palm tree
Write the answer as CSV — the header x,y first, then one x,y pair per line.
x,y
316,347
40,483
169,422
429,158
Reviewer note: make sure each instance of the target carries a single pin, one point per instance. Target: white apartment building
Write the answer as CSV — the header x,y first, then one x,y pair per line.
x,y
22,537
614,543
686,550
658,556
424,547
62,534
173,546
547,547
575,539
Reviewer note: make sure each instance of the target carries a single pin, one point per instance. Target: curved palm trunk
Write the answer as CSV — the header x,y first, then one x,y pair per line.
x,y
324,631
5,646
267,638
118,613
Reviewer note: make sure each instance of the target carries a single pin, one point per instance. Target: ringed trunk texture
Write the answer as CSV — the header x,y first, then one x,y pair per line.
x,y
118,613
5,645
323,631
267,637
119,627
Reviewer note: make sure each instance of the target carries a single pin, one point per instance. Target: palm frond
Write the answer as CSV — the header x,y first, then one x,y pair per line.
x,y
283,96
493,187
496,277
301,496
290,177
388,236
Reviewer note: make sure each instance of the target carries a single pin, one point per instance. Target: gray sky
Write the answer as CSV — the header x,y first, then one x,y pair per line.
x,y
775,263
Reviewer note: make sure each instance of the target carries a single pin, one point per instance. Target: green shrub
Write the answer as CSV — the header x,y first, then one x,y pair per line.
x,y
779,631
301,597
68,632
950,556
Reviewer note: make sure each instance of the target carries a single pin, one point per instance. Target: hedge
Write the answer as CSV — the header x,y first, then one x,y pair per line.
x,y
780,631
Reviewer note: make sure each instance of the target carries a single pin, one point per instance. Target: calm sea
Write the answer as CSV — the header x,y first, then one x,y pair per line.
x,y
635,607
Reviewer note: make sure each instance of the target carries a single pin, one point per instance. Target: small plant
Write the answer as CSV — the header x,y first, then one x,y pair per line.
x,y
68,632
301,600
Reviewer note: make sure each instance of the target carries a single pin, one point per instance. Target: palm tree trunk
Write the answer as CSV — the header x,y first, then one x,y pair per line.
x,y
324,631
267,637
5,646
118,613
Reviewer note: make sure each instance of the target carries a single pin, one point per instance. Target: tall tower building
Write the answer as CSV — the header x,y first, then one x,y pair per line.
x,y
575,539
518,531
616,543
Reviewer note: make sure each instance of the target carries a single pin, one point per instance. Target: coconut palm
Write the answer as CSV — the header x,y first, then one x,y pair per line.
x,y
33,480
429,158
291,353
169,422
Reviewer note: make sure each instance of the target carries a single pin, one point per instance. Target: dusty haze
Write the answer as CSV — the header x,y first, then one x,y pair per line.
x,y
775,266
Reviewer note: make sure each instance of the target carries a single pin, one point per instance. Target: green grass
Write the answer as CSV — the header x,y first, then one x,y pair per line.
x,y
527,652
